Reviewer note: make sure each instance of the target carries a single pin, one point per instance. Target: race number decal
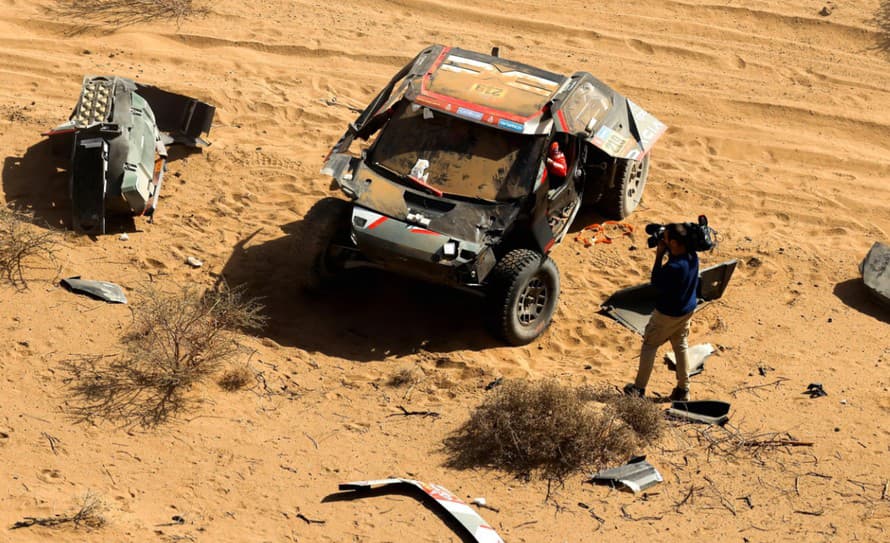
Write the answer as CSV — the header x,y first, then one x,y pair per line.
x,y
488,90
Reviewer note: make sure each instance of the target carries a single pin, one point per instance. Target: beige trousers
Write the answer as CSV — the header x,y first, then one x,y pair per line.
x,y
662,328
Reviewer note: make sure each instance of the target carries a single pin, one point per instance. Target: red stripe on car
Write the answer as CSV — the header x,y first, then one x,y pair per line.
x,y
377,223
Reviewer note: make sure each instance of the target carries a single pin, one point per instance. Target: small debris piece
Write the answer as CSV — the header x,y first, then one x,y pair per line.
x,y
703,411
637,475
494,383
124,237
875,270
815,390
475,526
825,11
102,290
193,262
483,503
695,357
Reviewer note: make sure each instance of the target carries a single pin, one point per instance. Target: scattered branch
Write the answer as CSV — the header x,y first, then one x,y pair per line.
x,y
406,413
775,383
89,515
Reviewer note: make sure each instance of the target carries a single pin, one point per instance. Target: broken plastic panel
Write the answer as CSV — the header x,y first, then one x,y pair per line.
x,y
465,516
116,137
703,411
875,269
695,358
633,306
102,290
636,475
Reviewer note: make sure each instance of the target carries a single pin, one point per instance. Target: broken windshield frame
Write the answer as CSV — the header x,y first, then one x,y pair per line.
x,y
466,159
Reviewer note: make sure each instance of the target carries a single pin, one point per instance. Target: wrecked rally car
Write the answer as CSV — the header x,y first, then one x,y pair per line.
x,y
117,138
476,168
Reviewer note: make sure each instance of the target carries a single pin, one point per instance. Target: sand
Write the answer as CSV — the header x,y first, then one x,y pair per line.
x,y
779,131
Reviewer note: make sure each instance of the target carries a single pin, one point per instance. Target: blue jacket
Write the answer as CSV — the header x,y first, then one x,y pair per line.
x,y
677,284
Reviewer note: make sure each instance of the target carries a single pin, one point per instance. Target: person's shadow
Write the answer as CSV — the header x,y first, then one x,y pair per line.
x,y
369,315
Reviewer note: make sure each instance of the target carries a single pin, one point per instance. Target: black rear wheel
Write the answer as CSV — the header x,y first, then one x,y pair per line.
x,y
524,291
624,196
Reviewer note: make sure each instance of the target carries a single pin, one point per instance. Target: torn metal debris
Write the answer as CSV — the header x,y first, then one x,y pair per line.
x,y
695,358
636,475
465,516
704,411
815,390
875,270
633,306
117,137
102,290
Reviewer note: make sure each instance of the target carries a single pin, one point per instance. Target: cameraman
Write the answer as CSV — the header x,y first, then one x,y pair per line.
x,y
677,285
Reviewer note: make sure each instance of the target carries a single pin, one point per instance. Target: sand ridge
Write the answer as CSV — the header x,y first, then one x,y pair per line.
x,y
779,132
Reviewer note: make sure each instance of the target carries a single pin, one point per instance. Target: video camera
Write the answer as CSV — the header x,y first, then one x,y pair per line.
x,y
699,236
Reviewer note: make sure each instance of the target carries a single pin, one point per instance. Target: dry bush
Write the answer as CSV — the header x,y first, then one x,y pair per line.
x,y
177,340
89,515
643,416
119,13
235,378
21,243
405,376
539,427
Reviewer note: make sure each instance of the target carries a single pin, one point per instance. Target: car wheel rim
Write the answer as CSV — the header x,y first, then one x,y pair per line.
x,y
532,301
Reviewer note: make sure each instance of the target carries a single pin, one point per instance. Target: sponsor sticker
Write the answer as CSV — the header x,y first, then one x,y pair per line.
x,y
511,125
609,141
469,113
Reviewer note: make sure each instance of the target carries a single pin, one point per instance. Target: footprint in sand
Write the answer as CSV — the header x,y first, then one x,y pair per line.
x,y
51,476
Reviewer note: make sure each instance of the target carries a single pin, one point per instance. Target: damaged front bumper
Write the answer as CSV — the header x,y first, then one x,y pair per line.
x,y
417,251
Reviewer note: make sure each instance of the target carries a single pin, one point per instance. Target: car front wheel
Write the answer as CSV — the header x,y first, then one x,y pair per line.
x,y
524,291
624,196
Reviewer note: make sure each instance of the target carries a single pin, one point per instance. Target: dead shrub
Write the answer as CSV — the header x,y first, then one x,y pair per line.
x,y
177,340
405,376
539,427
21,243
235,378
643,416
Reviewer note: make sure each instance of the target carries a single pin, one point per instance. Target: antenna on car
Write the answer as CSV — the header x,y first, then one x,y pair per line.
x,y
495,51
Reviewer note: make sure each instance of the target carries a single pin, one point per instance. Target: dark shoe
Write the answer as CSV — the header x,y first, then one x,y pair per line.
x,y
631,390
680,395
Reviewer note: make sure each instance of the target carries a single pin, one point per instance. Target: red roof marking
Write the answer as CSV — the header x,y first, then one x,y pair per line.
x,y
425,93
377,223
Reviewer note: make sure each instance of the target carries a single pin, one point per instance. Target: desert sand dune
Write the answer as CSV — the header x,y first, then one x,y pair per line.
x,y
779,131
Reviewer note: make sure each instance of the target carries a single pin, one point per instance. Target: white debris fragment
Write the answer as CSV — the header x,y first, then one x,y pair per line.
x,y
194,262
124,237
